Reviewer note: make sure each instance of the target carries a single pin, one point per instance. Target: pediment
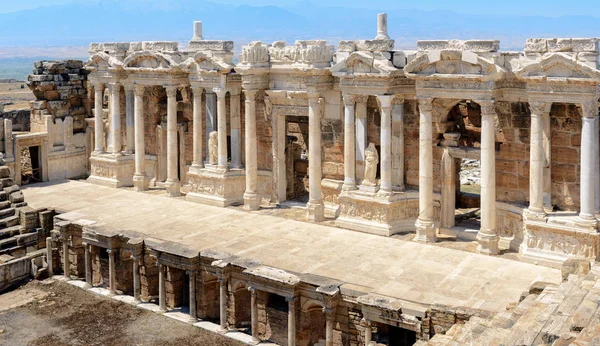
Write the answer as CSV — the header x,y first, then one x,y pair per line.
x,y
103,61
207,62
148,60
558,66
452,64
365,63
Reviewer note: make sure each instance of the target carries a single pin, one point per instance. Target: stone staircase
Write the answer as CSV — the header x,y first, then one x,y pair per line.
x,y
15,237
565,315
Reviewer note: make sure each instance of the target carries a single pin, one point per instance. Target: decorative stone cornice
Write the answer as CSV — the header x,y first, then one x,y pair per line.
x,y
428,65
255,55
560,68
478,46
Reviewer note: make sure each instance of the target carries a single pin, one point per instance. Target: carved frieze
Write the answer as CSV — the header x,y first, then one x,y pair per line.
x,y
559,242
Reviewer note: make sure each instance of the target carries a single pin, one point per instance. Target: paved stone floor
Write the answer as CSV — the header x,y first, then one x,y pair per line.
x,y
397,268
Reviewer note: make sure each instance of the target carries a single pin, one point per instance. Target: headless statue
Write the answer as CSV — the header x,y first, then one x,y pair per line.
x,y
371,161
213,148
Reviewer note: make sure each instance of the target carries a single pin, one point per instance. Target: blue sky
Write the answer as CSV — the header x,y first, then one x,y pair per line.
x,y
519,7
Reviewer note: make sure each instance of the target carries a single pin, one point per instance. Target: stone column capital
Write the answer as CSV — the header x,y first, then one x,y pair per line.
x,y
114,87
385,101
128,86
110,252
171,90
487,107
251,94
139,89
398,100
313,95
425,104
290,299
329,313
252,290
539,108
349,100
589,109
361,98
221,92
191,272
365,322
197,91
98,86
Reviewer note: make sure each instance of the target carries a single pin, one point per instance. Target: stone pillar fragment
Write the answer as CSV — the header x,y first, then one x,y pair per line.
x,y
425,225
547,143
223,304
9,148
385,103
398,144
487,235
349,144
251,197
68,133
115,111
98,122
88,264
162,293
129,119
136,278
192,279
254,315
139,178
329,321
66,259
197,161
382,27
368,332
291,320
172,183
211,119
112,271
315,207
221,128
49,260
236,132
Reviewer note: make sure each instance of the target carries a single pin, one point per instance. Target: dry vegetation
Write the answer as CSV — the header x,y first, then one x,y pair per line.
x,y
15,96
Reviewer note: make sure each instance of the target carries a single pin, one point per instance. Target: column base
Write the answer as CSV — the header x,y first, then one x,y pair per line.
x,y
488,242
315,211
192,320
349,186
162,310
136,301
425,231
222,330
587,222
254,341
537,215
140,183
173,188
251,201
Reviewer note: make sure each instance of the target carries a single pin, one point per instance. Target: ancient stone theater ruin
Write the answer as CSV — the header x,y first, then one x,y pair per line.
x,y
371,144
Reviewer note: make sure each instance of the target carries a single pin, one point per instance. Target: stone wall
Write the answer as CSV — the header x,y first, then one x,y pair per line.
x,y
20,119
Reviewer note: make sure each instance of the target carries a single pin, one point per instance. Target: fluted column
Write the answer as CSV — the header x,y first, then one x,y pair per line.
x,y
88,264
589,139
139,178
329,320
221,128
236,132
192,278
223,304
129,118
487,235
361,135
537,160
254,315
112,273
136,277
291,320
172,183
315,206
162,293
98,122
197,161
66,259
349,144
398,144
425,224
211,119
115,111
385,103
251,197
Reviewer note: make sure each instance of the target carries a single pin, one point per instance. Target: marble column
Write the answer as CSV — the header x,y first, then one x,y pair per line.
x,y
425,225
315,207
88,264
129,118
112,271
291,320
139,178
115,111
368,332
487,235
254,315
223,304
221,127
251,197
98,121
197,161
136,277
235,130
361,135
192,278
385,105
349,144
547,140
211,119
172,183
589,139
162,293
66,259
537,160
398,144
597,170
49,257
329,321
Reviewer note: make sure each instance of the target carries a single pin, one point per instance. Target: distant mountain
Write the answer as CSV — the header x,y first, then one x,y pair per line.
x,y
86,21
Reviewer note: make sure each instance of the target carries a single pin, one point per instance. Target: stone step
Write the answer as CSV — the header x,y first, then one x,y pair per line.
x,y
5,205
9,221
526,329
11,231
4,213
27,239
8,243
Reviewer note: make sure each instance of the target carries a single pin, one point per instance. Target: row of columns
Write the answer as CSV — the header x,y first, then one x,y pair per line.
x,y
114,145
540,160
391,140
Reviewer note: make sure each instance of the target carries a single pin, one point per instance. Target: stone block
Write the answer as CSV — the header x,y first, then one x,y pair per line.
x,y
171,46
536,45
399,59
16,197
574,266
375,45
207,45
346,46
560,45
4,172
